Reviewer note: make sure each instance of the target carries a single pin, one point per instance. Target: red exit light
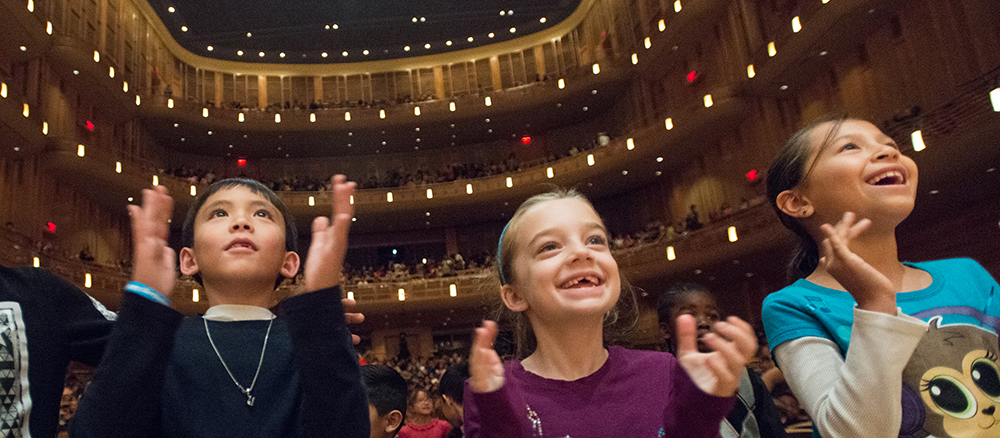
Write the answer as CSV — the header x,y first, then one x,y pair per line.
x,y
752,175
241,162
51,227
693,76
89,125
525,140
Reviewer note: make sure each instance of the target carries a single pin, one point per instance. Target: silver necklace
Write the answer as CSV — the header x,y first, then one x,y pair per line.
x,y
245,391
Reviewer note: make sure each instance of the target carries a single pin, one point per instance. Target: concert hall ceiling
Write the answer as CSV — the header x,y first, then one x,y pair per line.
x,y
324,32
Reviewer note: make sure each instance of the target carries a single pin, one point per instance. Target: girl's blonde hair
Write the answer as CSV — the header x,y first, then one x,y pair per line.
x,y
617,323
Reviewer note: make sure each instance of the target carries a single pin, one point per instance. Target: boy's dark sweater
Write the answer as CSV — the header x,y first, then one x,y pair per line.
x,y
160,376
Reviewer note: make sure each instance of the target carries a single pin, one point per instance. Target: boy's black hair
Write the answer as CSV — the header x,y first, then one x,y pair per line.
x,y
668,298
291,235
387,390
453,381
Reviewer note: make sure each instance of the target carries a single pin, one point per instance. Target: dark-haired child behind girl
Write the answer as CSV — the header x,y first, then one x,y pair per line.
x,y
239,370
558,275
754,414
855,322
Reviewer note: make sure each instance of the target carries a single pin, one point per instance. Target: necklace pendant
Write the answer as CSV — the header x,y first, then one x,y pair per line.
x,y
250,400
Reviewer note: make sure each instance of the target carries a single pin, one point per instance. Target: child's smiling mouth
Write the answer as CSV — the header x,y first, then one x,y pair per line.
x,y
582,281
241,244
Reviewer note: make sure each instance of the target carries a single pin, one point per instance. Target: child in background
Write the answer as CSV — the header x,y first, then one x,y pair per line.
x,y
452,389
239,370
386,399
422,423
557,272
754,414
855,322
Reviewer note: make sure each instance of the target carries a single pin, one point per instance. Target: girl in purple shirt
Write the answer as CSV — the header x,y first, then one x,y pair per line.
x,y
560,280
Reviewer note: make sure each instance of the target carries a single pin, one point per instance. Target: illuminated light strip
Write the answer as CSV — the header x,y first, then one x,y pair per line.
x,y
917,138
671,255
732,234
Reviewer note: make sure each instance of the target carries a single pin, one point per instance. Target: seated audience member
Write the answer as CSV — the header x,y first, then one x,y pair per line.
x,y
753,415
452,389
50,321
422,422
386,399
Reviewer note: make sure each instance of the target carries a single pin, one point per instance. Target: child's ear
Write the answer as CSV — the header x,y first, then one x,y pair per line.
x,y
392,421
793,203
512,298
666,331
189,266
290,267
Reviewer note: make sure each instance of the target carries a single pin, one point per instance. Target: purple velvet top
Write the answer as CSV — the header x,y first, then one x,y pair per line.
x,y
634,394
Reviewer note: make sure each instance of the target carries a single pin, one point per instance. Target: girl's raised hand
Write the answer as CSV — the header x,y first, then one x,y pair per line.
x,y
154,260
869,287
485,366
325,262
717,373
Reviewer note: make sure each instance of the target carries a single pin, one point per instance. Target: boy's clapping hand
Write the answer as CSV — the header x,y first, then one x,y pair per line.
x,y
325,261
154,261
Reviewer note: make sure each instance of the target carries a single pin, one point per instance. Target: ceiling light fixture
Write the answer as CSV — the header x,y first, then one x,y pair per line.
x,y
491,35
210,48
541,20
171,9
184,28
